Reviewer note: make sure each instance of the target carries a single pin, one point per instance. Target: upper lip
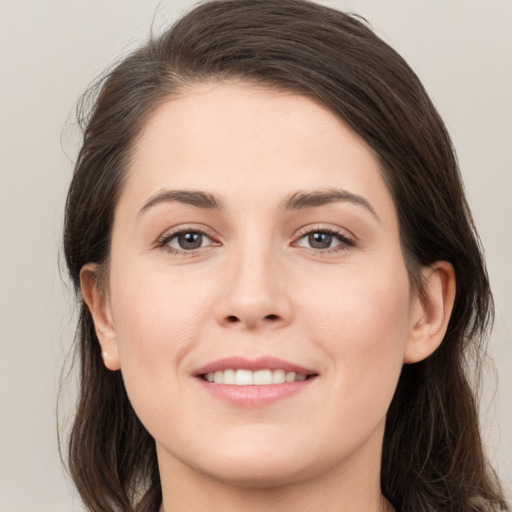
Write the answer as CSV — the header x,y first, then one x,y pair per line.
x,y
260,363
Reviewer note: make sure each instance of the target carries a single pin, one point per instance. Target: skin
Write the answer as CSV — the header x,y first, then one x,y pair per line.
x,y
256,287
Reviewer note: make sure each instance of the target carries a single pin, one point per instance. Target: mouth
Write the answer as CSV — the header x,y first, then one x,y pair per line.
x,y
258,382
245,377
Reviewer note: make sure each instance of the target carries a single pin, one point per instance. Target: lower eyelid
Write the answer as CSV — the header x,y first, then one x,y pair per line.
x,y
341,246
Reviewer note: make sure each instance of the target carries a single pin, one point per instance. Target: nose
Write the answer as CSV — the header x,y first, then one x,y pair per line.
x,y
254,295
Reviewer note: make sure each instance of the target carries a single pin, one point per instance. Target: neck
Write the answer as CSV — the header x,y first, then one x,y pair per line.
x,y
276,501
382,506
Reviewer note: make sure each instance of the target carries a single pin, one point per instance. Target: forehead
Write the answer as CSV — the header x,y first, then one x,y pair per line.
x,y
250,141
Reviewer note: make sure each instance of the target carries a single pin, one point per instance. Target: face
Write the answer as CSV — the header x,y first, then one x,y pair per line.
x,y
259,305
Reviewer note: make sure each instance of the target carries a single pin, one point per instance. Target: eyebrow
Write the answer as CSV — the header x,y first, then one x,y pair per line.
x,y
315,198
192,197
297,201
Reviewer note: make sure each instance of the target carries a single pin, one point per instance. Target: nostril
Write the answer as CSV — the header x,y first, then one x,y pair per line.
x,y
232,319
272,317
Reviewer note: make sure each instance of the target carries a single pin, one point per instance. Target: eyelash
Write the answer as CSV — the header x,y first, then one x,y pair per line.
x,y
345,242
164,240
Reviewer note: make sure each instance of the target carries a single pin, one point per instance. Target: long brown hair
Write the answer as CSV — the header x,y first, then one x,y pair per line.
x,y
432,455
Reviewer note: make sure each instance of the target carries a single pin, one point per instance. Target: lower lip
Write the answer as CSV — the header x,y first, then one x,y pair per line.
x,y
255,396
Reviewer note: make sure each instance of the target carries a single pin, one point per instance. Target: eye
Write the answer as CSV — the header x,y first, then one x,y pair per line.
x,y
324,239
185,241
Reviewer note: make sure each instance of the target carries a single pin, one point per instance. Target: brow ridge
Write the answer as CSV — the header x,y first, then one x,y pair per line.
x,y
315,198
296,201
195,198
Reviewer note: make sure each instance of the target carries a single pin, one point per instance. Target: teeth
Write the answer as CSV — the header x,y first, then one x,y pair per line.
x,y
292,377
278,376
244,377
258,378
262,377
229,377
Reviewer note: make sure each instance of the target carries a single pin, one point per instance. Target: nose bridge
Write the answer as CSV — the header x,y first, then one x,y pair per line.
x,y
254,294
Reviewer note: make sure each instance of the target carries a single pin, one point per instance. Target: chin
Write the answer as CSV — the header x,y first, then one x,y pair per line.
x,y
250,474
261,465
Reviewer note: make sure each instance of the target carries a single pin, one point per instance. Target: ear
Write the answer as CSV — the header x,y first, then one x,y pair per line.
x,y
99,306
432,311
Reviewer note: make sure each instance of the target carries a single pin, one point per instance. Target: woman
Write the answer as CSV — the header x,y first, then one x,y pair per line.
x,y
280,280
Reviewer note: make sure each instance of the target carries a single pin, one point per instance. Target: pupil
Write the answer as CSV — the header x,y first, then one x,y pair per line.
x,y
190,240
320,240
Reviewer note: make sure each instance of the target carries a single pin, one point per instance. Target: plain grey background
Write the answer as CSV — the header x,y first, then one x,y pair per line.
x,y
50,51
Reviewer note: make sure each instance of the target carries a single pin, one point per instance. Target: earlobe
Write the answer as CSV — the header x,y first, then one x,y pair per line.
x,y
98,305
430,320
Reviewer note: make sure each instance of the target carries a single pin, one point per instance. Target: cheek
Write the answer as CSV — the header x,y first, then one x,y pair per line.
x,y
361,320
158,320
369,304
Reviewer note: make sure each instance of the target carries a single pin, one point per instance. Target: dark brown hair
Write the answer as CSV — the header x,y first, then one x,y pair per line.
x,y
432,455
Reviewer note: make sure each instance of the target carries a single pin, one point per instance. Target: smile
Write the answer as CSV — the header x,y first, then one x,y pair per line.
x,y
249,378
254,382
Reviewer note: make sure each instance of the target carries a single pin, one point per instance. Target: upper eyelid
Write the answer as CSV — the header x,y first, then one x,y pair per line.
x,y
162,242
172,236
170,232
318,228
